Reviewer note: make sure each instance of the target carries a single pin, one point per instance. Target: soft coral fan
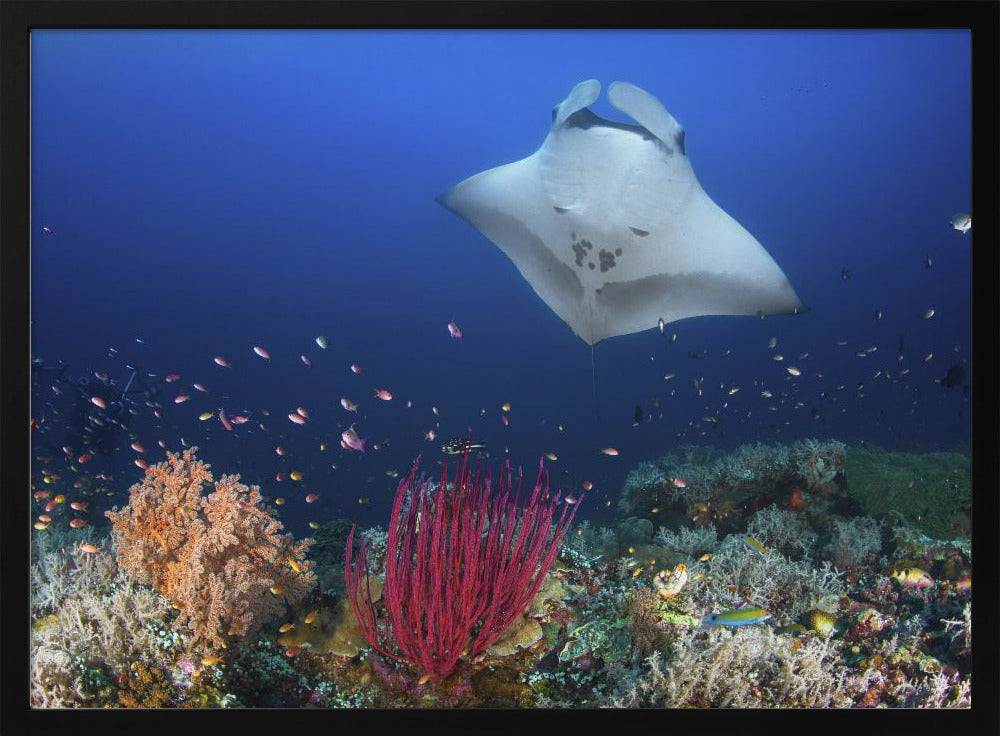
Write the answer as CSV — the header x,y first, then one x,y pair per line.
x,y
219,557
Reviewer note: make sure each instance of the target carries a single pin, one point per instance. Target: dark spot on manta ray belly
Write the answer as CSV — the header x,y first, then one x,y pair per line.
x,y
618,251
579,251
591,265
637,231
607,259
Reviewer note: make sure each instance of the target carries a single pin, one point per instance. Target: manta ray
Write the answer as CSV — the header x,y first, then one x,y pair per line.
x,y
608,224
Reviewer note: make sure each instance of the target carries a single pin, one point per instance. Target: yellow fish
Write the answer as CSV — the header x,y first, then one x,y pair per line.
x,y
754,545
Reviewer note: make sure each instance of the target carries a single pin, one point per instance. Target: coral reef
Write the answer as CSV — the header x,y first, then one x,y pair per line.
x,y
96,625
742,669
690,541
218,557
862,612
785,531
711,486
853,543
931,492
327,552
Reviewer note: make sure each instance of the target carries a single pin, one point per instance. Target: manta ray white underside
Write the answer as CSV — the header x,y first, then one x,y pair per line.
x,y
611,228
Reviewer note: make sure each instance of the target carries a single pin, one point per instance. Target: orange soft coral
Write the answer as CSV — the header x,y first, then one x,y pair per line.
x,y
219,557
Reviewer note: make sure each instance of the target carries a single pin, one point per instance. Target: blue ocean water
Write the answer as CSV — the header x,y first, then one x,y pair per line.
x,y
212,191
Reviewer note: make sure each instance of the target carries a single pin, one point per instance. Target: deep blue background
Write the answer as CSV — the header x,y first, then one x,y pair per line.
x,y
211,191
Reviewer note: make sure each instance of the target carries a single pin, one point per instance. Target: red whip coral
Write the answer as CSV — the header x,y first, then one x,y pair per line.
x,y
219,557
461,565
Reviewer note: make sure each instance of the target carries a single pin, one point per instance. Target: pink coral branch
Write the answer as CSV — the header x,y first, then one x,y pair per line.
x,y
461,565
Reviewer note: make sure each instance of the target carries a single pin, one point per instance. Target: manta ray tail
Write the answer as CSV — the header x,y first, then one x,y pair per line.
x,y
593,375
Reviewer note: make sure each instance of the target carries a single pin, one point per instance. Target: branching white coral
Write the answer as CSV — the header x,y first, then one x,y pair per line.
x,y
687,540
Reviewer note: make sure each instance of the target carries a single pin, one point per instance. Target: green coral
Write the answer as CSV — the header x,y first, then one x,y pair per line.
x,y
609,640
930,491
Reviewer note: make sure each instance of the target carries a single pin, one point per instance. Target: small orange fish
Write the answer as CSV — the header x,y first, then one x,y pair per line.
x,y
181,398
45,518
85,457
98,402
356,369
262,352
504,420
89,548
678,482
293,650
40,526
279,477
200,386
587,485
171,377
140,463
297,418
305,360
609,451
219,360
311,616
295,475
50,506
454,331
211,659
796,502
383,394
429,435
279,501
280,450
301,411
61,498
78,523
39,495
312,498
285,627
138,448
240,419
78,506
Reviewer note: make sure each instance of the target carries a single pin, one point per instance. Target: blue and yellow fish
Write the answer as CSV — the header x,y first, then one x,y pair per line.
x,y
738,617
754,545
